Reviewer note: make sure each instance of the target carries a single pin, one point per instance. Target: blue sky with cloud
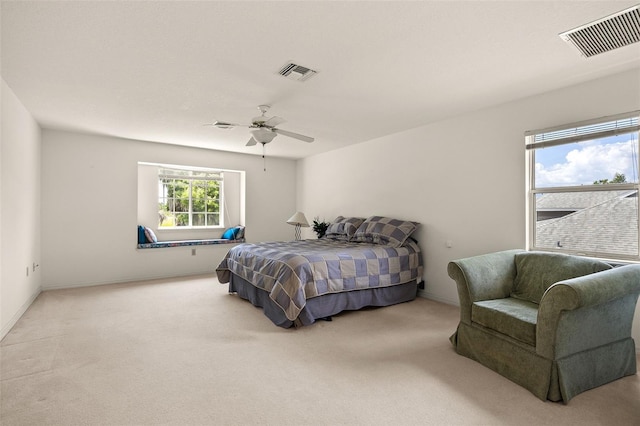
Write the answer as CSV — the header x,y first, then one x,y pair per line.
x,y
585,162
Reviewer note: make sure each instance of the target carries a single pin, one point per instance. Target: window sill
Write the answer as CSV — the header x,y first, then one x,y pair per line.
x,y
184,243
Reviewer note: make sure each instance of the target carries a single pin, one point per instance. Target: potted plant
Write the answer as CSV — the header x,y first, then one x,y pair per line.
x,y
320,227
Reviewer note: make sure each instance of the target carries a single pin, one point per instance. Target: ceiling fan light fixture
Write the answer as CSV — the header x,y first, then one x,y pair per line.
x,y
263,135
263,129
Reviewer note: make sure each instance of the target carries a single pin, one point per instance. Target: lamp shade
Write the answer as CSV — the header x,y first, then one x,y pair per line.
x,y
299,220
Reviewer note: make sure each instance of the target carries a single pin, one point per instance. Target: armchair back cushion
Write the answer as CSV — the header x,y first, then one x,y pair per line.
x,y
536,272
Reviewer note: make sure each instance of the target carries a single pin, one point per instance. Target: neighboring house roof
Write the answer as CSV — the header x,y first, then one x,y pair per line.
x,y
576,200
610,226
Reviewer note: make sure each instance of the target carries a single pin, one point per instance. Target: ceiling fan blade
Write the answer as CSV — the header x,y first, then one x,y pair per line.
x,y
274,121
252,142
294,135
224,125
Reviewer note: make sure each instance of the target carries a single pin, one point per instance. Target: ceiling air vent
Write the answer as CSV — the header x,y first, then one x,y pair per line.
x,y
603,35
296,72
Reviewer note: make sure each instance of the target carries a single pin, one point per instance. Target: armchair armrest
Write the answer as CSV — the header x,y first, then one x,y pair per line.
x,y
484,277
587,311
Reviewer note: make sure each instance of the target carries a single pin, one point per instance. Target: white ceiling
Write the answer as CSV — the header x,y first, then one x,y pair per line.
x,y
158,71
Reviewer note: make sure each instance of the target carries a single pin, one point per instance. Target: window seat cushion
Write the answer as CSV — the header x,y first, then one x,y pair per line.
x,y
182,243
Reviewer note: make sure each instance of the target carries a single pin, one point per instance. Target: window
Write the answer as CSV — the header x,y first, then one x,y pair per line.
x,y
583,188
189,198
184,202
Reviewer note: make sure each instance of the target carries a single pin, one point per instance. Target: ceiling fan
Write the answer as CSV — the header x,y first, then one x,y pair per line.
x,y
263,128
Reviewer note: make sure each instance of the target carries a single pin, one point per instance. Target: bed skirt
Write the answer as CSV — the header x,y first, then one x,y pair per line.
x,y
326,305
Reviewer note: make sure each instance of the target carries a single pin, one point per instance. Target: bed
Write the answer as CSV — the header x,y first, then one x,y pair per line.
x,y
358,263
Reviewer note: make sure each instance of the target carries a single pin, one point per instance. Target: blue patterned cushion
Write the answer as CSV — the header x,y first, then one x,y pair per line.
x,y
385,230
142,237
150,235
234,233
240,233
343,228
229,234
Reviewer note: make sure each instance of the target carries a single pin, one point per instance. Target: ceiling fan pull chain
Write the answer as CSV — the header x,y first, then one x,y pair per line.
x,y
264,160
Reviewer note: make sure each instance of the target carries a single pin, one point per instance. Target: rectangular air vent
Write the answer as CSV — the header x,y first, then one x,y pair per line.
x,y
296,72
603,35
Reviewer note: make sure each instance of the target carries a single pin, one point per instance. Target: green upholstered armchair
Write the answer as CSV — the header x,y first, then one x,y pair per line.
x,y
555,324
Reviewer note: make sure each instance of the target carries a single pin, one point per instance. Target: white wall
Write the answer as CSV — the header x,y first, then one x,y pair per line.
x,y
463,179
90,203
20,218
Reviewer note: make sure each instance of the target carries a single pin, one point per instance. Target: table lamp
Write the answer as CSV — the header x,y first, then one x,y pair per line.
x,y
298,220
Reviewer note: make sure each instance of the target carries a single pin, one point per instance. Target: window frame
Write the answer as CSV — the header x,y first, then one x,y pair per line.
x,y
192,174
567,134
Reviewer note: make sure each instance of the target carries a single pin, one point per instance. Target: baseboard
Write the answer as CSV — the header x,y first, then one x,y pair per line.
x,y
427,295
124,281
14,319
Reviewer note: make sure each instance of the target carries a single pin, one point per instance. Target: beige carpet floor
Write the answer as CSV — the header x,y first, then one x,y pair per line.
x,y
185,352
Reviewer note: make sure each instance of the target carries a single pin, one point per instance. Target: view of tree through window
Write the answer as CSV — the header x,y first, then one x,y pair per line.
x,y
583,188
189,198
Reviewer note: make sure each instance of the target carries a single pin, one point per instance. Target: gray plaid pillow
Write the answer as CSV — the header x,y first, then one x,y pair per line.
x,y
343,228
385,230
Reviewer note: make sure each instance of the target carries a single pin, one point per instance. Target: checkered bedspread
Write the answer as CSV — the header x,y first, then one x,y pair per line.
x,y
295,271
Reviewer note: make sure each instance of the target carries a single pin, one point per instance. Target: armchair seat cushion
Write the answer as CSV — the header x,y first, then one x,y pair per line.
x,y
513,317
